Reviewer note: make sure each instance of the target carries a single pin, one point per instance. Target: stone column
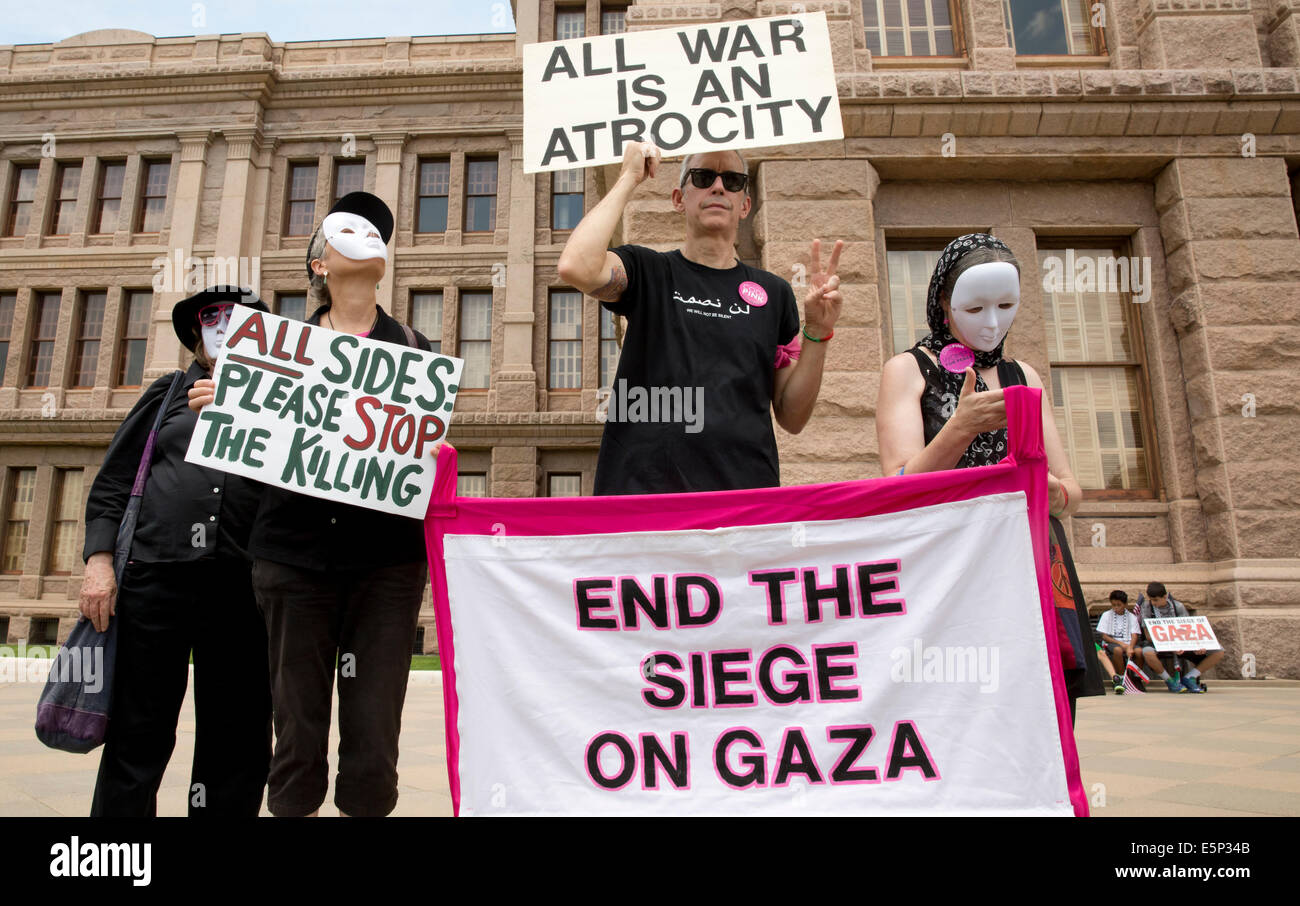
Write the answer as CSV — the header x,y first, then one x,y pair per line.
x,y
233,232
514,472
986,35
1233,260
165,348
839,443
388,179
515,385
1198,34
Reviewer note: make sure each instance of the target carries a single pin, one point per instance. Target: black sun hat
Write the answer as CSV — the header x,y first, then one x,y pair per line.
x,y
363,204
185,312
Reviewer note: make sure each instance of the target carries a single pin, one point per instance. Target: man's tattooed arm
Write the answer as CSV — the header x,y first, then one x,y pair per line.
x,y
612,290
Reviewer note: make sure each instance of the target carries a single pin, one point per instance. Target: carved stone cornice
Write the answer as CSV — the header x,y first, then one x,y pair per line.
x,y
388,147
194,145
1156,9
242,144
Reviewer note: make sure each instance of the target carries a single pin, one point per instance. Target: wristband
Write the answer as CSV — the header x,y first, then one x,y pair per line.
x,y
1065,506
804,331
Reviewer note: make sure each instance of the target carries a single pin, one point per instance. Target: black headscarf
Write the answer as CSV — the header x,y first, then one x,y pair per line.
x,y
991,446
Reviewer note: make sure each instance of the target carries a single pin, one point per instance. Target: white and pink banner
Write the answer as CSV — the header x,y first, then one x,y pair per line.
x,y
884,647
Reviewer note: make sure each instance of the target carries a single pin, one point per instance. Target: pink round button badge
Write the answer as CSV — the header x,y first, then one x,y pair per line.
x,y
956,357
752,293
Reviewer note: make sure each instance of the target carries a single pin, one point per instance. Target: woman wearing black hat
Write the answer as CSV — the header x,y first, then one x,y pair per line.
x,y
340,586
186,590
940,403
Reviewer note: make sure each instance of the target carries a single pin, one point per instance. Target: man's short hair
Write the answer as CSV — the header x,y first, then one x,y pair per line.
x,y
1155,590
686,165
1119,595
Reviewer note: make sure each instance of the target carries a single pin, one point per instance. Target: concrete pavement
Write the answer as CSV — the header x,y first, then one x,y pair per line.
x,y
1233,751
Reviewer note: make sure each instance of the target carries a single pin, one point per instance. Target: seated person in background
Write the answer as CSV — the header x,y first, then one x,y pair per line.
x,y
1120,631
1159,604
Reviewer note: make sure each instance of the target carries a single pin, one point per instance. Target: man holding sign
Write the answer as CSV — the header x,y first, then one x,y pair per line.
x,y
710,346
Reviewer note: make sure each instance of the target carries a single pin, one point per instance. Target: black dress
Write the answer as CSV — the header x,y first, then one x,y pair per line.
x,y
937,406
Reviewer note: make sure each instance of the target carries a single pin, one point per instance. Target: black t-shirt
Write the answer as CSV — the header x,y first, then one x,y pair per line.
x,y
690,409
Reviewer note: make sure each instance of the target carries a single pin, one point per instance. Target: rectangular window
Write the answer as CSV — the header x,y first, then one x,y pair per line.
x,y
476,339
108,204
63,537
563,484
608,348
153,197
1096,374
908,28
566,199
349,176
909,280
480,195
65,204
18,519
292,305
426,316
47,325
566,340
435,183
1055,27
613,20
24,197
135,337
300,217
570,23
90,328
44,631
471,484
8,302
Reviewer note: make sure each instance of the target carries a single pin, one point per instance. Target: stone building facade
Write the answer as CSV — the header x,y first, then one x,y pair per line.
x,y
1150,141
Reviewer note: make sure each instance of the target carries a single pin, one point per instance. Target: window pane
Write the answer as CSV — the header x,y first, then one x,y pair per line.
x,y
349,176
1083,305
570,24
8,302
435,177
909,280
480,195
475,339
20,513
135,335
566,211
66,205
154,198
293,305
426,316
480,214
1098,414
608,349
301,217
481,178
566,340
20,211
47,322
63,540
1038,26
433,215
563,485
471,484
612,22
90,329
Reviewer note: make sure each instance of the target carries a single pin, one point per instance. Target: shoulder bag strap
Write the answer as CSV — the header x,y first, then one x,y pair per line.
x,y
126,530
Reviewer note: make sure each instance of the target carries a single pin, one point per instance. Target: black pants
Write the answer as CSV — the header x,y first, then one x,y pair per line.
x,y
165,611
361,625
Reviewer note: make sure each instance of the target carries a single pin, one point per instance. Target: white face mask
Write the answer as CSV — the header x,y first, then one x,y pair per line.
x,y
214,336
984,303
352,236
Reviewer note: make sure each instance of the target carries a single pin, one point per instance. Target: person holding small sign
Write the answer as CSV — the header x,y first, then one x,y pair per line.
x,y
186,593
340,585
1159,604
710,351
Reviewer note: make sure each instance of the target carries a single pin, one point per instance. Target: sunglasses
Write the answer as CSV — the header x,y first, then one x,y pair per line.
x,y
702,178
210,315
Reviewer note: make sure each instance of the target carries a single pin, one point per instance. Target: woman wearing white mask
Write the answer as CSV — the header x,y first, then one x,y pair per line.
x,y
185,592
940,406
340,586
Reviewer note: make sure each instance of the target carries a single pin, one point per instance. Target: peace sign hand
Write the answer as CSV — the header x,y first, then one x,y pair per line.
x,y
821,305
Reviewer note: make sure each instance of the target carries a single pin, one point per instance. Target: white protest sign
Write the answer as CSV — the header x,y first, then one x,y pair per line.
x,y
1182,634
327,414
741,84
889,664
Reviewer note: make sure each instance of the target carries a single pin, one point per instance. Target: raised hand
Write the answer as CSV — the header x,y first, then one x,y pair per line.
x,y
822,303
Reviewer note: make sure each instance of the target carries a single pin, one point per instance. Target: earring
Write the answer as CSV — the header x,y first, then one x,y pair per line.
x,y
325,281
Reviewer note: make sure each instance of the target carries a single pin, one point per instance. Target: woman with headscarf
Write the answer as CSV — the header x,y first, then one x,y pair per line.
x,y
340,586
940,407
186,590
